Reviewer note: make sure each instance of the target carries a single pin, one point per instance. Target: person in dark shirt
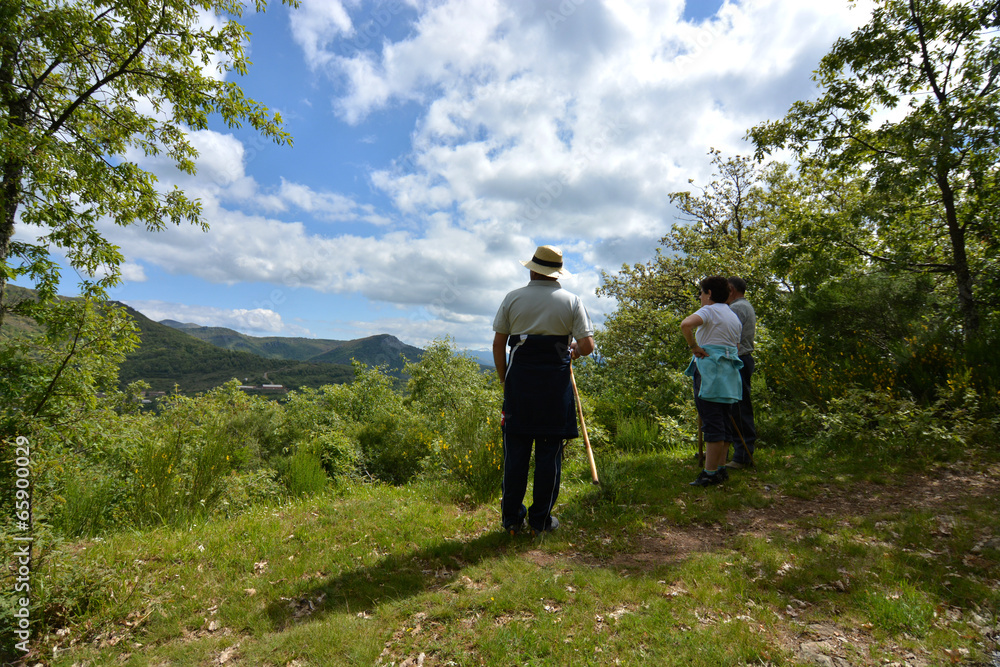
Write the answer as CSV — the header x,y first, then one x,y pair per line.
x,y
743,411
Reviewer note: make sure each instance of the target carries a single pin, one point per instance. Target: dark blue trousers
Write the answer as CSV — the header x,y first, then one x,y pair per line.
x,y
545,490
743,414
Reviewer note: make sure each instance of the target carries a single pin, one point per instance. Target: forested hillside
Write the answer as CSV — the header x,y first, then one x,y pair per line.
x,y
196,359
380,350
200,358
275,347
166,357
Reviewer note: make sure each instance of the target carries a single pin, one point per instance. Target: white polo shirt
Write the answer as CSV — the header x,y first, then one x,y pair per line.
x,y
543,308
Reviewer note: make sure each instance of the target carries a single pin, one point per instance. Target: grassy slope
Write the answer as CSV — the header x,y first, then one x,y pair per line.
x,y
802,554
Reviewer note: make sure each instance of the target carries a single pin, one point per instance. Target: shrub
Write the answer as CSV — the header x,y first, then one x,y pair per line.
x,y
984,364
335,450
178,474
474,457
677,434
885,431
363,426
89,498
308,412
303,474
248,488
199,455
637,433
368,397
924,361
394,446
461,404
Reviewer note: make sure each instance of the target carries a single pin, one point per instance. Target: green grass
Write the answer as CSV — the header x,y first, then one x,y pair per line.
x,y
645,570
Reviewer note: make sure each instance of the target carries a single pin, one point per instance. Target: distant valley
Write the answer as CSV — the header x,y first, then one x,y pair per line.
x,y
195,358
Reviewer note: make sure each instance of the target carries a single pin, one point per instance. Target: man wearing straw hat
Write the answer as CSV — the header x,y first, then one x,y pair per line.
x,y
546,328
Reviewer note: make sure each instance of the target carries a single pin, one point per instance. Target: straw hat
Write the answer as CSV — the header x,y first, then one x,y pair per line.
x,y
547,261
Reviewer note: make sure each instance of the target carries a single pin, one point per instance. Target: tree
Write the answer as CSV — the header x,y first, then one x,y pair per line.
x,y
81,84
726,230
53,378
929,70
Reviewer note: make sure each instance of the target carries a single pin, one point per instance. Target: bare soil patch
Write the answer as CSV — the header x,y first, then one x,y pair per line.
x,y
946,490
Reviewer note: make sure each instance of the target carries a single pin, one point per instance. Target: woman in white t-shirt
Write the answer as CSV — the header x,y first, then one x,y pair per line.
x,y
713,334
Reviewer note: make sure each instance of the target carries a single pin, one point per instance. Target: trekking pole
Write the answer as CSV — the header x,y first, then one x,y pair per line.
x,y
740,433
583,427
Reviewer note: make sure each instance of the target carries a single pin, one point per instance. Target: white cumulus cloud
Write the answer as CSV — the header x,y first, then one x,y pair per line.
x,y
548,121
255,321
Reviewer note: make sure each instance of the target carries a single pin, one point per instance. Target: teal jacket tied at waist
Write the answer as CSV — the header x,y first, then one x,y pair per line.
x,y
720,374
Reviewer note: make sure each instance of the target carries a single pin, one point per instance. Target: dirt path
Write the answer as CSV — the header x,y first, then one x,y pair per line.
x,y
946,491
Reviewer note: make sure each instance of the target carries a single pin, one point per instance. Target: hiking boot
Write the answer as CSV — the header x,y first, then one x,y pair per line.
x,y
722,473
515,528
736,465
705,479
517,525
552,524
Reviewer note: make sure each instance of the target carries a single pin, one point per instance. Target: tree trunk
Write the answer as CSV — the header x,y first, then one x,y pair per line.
x,y
9,199
960,261
12,169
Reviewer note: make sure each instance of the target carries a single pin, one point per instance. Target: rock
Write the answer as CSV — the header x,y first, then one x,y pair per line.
x,y
817,653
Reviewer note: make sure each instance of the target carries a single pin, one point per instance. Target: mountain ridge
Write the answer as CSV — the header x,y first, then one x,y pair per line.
x,y
172,354
167,357
375,350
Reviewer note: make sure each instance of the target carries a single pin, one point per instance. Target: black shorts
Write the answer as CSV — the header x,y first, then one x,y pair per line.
x,y
716,424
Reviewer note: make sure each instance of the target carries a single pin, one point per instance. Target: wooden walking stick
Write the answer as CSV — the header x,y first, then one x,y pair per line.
x,y
740,433
583,428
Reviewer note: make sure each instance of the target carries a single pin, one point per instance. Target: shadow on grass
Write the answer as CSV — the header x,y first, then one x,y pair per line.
x,y
439,565
395,577
632,489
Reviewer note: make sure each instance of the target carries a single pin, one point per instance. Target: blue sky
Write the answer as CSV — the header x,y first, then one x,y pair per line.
x,y
437,142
